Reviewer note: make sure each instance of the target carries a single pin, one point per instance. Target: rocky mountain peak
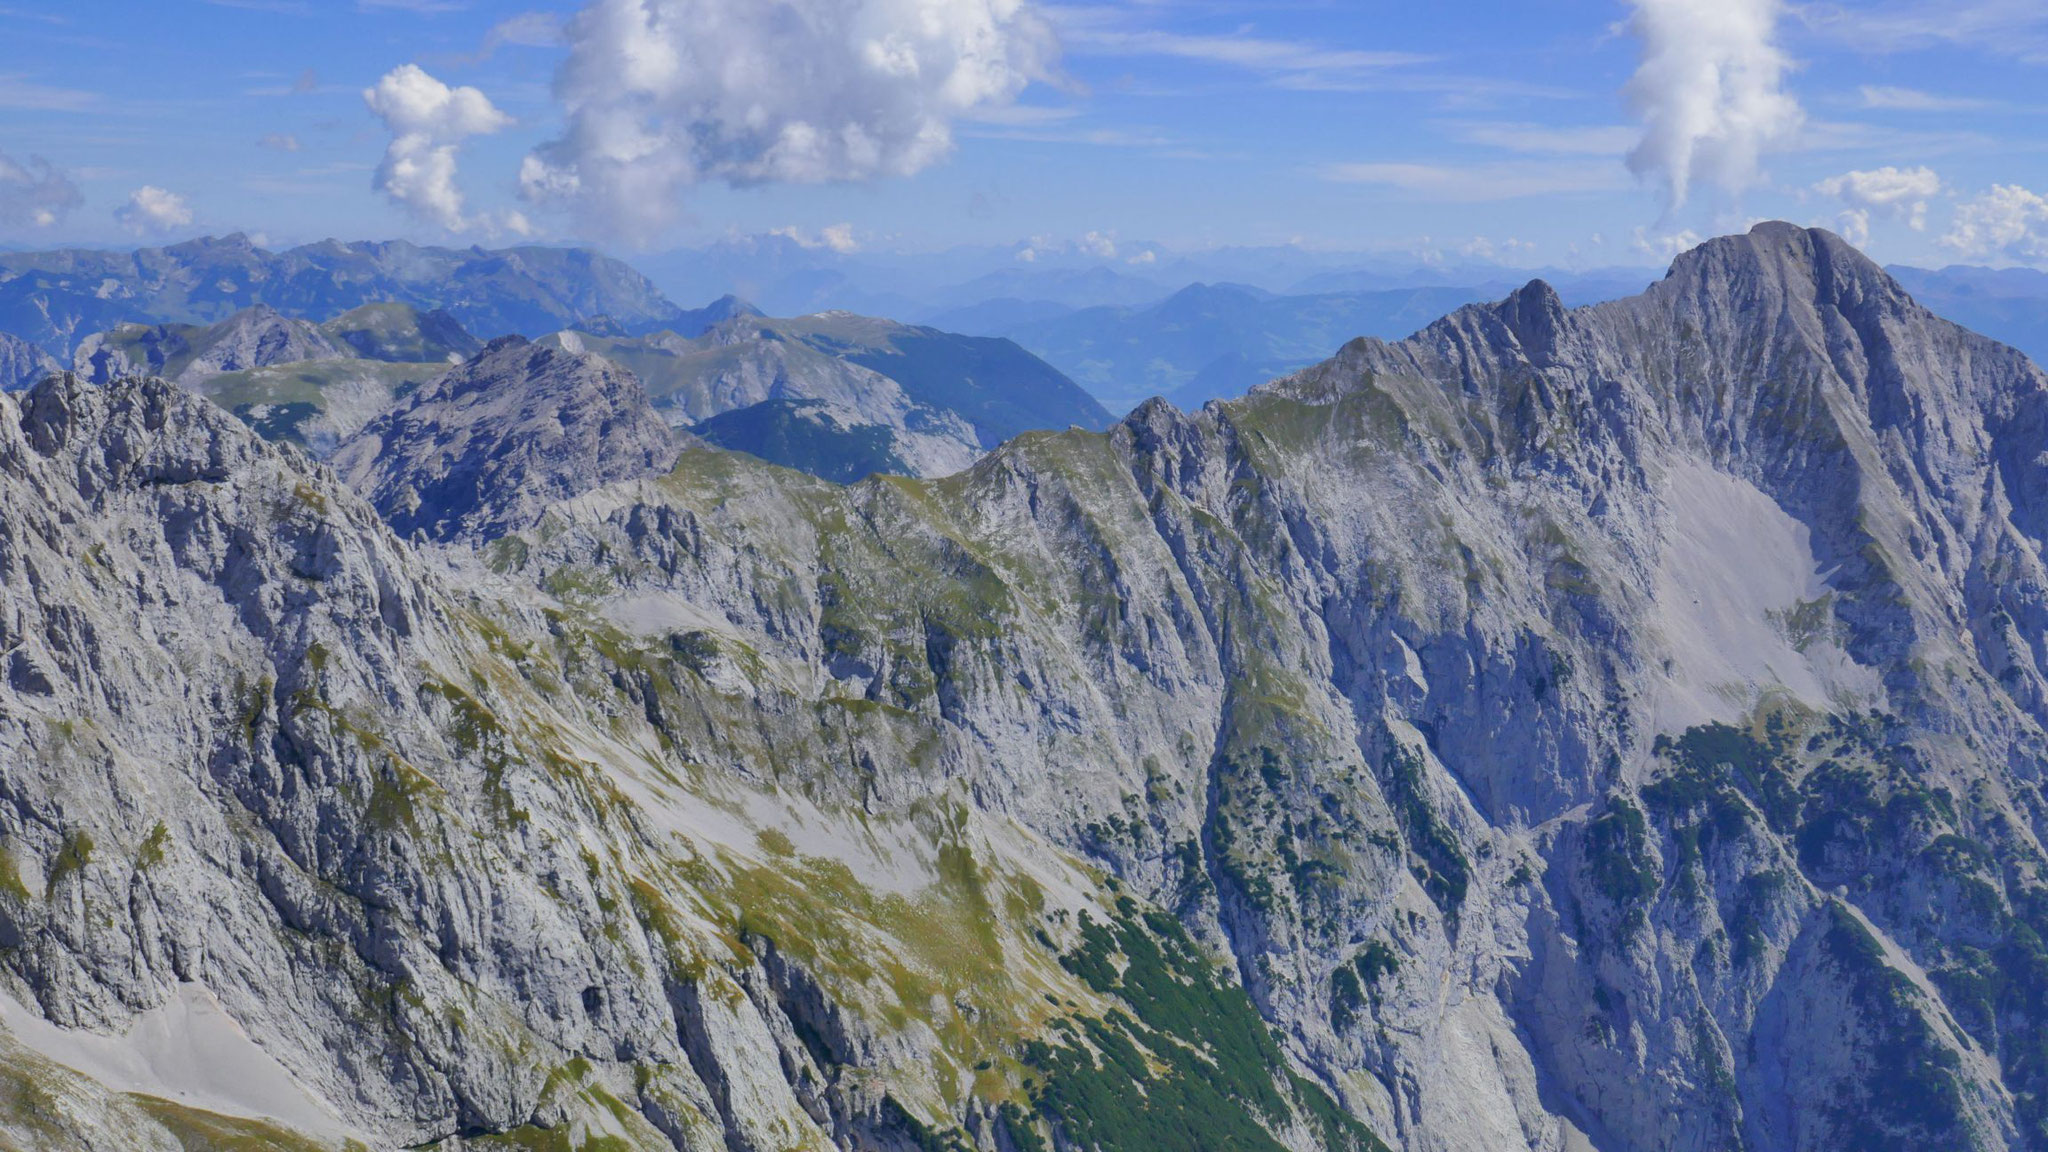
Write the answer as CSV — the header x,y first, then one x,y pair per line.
x,y
1778,267
132,434
487,447
1536,316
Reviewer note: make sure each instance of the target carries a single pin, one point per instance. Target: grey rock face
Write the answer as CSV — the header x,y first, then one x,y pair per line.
x,y
489,446
1615,728
23,364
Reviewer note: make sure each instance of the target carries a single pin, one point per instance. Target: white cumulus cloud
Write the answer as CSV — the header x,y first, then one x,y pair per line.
x,y
152,211
35,193
2007,223
837,238
664,94
428,122
1900,193
1710,92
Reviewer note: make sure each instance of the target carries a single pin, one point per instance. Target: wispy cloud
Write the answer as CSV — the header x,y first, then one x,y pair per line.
x,y
1999,27
1021,115
282,7
18,93
1300,65
422,7
1889,99
1292,62
1825,136
526,30
1547,139
1482,183
1097,137
35,192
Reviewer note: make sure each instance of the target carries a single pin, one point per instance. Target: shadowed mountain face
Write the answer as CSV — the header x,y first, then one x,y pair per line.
x,y
23,364
54,299
1617,728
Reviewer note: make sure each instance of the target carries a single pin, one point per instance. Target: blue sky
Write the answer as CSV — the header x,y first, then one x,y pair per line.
x,y
1484,130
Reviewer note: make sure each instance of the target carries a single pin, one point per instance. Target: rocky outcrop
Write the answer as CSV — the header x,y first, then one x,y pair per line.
x,y
486,448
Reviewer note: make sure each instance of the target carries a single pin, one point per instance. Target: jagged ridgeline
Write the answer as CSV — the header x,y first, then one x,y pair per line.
x,y
1615,728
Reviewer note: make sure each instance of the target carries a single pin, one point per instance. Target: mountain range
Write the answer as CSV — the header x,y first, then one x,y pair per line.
x,y
2010,304
1616,727
54,299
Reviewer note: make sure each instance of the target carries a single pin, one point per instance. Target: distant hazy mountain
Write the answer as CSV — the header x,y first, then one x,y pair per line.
x,y
2009,304
189,353
401,333
54,298
849,394
1215,342
1075,288
789,276
1576,289
698,321
293,381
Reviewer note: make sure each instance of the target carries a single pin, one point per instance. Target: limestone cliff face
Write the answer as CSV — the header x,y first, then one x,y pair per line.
x,y
1616,728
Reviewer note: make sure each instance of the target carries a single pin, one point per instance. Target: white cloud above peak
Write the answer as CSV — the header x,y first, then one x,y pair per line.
x,y
153,211
1710,93
2008,223
1900,193
428,121
661,95
413,103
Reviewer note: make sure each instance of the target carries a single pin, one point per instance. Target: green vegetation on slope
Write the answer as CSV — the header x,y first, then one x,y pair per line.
x,y
1207,1073
797,434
